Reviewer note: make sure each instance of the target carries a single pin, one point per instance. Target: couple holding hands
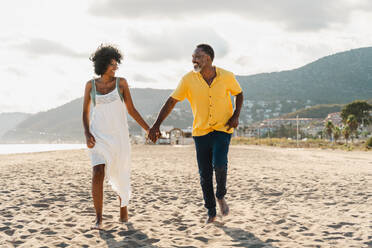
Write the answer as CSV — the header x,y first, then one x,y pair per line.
x,y
107,99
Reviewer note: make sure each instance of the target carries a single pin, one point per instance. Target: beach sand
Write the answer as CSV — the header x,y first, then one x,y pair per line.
x,y
278,198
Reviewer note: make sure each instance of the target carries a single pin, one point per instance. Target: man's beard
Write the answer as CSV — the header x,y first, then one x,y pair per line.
x,y
197,68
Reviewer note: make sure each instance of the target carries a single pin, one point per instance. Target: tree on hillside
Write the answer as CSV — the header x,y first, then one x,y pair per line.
x,y
346,133
329,129
360,109
336,133
352,124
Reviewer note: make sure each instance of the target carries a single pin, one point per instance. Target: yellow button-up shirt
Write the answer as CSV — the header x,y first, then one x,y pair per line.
x,y
211,104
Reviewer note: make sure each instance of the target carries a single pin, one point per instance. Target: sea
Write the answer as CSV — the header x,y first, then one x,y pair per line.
x,y
28,148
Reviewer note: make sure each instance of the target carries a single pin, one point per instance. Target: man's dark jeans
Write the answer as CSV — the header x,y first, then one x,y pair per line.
x,y
211,153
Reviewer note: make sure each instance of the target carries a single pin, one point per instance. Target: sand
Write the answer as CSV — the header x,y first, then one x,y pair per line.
x,y
278,198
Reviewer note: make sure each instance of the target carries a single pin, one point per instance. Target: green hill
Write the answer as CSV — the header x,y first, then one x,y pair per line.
x,y
10,120
338,78
317,111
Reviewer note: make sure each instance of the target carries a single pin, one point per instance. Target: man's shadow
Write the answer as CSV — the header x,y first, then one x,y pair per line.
x,y
242,238
131,238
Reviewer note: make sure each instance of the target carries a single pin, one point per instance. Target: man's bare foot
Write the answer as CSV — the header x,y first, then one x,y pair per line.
x,y
98,224
223,207
210,219
123,214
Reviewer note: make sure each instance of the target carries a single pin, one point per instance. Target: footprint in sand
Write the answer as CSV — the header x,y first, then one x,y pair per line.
x,y
4,228
341,224
9,232
202,239
62,245
47,231
281,221
182,228
40,205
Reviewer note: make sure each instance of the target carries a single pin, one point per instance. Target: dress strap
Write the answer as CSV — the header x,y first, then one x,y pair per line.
x,y
93,92
118,88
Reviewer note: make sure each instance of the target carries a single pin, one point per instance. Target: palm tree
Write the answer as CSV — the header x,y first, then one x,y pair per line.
x,y
346,133
329,129
352,123
336,133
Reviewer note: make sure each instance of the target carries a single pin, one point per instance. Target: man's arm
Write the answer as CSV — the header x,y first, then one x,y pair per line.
x,y
233,122
164,112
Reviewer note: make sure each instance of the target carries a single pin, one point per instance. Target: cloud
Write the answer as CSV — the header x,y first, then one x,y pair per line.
x,y
175,44
243,60
40,47
16,71
295,15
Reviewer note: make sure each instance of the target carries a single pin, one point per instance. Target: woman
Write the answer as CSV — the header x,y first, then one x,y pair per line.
x,y
106,129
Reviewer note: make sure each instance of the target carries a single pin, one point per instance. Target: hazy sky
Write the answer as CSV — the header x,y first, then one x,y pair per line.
x,y
45,44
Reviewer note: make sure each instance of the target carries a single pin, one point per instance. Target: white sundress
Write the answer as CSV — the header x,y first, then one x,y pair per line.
x,y
109,126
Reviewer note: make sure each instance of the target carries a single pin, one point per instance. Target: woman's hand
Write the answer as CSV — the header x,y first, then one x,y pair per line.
x,y
154,133
91,141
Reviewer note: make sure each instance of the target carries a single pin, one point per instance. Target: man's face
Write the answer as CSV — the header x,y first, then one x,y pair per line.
x,y
200,59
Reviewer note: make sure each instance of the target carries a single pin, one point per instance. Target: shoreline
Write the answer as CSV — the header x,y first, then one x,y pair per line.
x,y
31,148
67,147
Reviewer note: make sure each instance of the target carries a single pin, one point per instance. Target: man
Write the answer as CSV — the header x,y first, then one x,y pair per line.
x,y
208,90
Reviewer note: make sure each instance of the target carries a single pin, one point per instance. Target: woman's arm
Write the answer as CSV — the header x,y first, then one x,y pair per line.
x,y
130,106
86,109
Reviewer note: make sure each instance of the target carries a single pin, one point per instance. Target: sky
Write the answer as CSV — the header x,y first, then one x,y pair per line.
x,y
45,45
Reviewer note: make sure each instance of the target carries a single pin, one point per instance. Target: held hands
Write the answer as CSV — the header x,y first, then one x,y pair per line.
x,y
233,122
91,141
154,133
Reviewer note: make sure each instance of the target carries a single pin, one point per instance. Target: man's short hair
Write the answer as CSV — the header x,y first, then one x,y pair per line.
x,y
207,49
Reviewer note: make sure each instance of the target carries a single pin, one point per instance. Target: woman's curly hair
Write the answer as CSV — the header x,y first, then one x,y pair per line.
x,y
102,58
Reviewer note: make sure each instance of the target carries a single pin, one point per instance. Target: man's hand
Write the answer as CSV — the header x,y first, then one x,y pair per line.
x,y
91,141
154,133
233,122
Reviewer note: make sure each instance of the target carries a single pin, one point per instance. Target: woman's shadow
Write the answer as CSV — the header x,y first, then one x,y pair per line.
x,y
131,238
134,238
242,238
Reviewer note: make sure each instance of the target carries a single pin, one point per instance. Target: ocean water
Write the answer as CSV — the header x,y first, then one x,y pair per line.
x,y
27,148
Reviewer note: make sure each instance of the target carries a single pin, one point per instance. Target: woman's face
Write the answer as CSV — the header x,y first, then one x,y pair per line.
x,y
111,68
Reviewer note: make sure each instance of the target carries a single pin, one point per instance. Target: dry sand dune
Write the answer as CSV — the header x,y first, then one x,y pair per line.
x,y
278,198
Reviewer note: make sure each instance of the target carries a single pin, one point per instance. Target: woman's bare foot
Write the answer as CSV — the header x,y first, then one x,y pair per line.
x,y
123,214
98,224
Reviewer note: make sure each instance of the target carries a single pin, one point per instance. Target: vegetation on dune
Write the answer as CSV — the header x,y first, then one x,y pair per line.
x,y
310,143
